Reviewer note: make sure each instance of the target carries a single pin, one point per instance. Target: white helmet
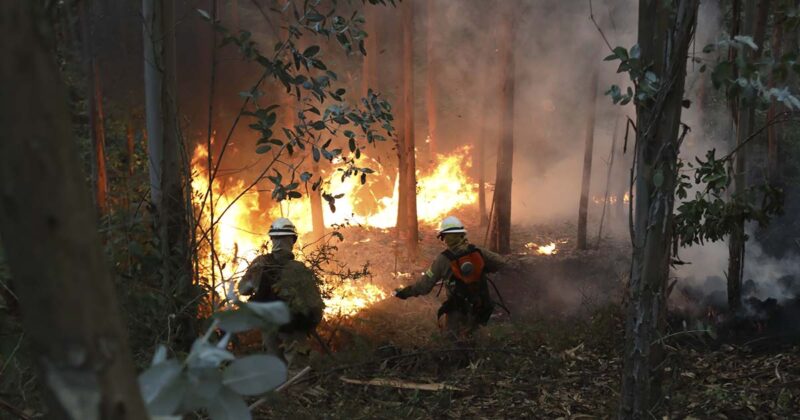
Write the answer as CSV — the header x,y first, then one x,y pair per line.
x,y
282,227
451,224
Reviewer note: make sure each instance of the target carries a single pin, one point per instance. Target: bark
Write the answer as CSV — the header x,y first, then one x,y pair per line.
x,y
168,170
94,95
774,131
432,67
235,16
407,214
755,17
480,157
583,207
500,240
664,36
69,309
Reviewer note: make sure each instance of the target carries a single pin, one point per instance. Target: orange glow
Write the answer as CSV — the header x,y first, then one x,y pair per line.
x,y
241,234
549,249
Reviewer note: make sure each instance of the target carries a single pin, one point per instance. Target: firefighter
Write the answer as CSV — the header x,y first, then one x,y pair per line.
x,y
462,269
277,276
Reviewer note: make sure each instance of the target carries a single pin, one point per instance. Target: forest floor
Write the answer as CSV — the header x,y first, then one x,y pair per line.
x,y
558,355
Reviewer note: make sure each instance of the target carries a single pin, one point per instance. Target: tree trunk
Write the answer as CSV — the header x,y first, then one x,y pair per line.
x,y
94,95
583,207
430,72
664,37
774,131
168,169
153,80
754,24
501,218
69,309
408,177
480,156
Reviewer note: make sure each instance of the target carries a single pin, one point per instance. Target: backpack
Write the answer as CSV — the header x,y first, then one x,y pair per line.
x,y
472,290
293,283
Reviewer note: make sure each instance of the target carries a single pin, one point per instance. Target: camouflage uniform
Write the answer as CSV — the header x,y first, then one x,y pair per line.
x,y
462,315
279,276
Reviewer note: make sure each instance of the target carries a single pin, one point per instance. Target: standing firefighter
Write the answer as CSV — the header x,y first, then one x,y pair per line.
x,y
462,268
278,276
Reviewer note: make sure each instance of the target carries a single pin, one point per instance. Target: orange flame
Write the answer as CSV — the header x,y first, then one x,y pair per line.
x,y
549,249
241,234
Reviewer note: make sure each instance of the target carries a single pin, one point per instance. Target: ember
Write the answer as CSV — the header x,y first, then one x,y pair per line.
x,y
549,249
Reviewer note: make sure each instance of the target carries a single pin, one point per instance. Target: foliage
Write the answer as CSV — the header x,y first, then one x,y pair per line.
x,y
308,79
713,212
742,78
645,82
211,377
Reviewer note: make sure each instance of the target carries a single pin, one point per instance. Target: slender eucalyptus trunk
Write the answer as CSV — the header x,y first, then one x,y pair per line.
x,y
53,249
480,157
168,171
664,37
774,131
432,69
94,95
408,177
500,240
755,17
583,207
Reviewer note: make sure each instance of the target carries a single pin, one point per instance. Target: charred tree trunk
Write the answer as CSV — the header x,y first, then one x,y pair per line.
x,y
501,218
69,309
430,73
408,178
755,17
583,207
94,95
167,168
664,37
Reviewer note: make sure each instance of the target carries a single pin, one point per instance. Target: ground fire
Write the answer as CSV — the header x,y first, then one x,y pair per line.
x,y
240,235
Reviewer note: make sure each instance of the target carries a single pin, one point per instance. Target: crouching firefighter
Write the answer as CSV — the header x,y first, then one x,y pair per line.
x,y
462,269
278,276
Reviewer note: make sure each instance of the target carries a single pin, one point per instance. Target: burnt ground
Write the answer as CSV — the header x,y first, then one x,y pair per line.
x,y
557,356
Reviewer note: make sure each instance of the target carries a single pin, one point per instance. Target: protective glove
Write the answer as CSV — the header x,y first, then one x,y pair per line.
x,y
403,293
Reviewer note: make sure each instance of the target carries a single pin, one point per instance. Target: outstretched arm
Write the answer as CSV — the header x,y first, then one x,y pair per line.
x,y
425,283
494,262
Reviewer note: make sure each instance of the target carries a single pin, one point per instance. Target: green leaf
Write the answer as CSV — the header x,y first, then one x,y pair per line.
x,y
161,387
253,375
204,354
352,144
264,148
239,320
311,51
